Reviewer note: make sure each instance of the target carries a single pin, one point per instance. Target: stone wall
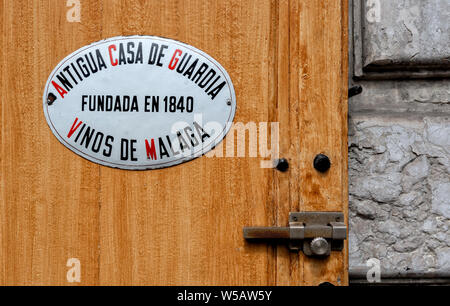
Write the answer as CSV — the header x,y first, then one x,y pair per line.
x,y
399,137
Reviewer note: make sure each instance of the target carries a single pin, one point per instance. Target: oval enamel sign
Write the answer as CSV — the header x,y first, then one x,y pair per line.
x,y
139,102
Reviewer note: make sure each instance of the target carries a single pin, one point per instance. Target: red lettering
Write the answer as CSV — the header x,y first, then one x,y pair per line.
x,y
110,48
174,60
74,128
151,152
60,90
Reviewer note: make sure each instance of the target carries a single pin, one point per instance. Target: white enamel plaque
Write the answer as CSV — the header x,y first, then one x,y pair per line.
x,y
139,102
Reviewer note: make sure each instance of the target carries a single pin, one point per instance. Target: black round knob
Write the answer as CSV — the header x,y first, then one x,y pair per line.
x,y
282,165
322,163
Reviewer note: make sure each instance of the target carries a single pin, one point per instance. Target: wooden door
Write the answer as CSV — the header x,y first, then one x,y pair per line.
x,y
181,225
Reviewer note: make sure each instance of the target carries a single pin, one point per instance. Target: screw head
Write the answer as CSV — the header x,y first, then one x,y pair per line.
x,y
51,98
319,246
282,165
322,163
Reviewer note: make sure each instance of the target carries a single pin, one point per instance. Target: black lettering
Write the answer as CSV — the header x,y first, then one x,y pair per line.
x,y
100,61
80,132
93,67
97,142
133,149
130,51
117,106
199,73
200,131
62,78
83,67
109,102
191,136
134,105
153,53
87,137
139,57
76,71
162,149
122,60
191,69
126,104
181,67
155,104
161,55
66,69
109,140
100,103
208,77
213,93
183,143
91,104
124,149
174,153
83,102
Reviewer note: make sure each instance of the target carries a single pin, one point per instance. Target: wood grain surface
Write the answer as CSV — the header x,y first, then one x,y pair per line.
x,y
181,225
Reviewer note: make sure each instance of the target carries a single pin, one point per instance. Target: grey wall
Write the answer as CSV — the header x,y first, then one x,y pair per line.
x,y
399,138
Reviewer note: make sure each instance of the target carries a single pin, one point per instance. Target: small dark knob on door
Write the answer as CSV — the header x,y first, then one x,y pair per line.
x,y
322,163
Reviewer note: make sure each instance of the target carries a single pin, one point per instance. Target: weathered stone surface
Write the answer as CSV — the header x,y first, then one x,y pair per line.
x,y
403,96
443,258
399,182
415,172
366,209
399,136
406,33
440,200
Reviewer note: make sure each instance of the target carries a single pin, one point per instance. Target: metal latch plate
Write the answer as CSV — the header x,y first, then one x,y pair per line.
x,y
328,225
